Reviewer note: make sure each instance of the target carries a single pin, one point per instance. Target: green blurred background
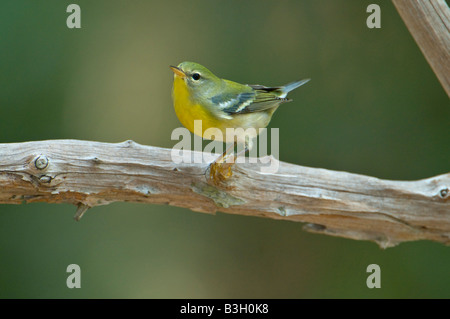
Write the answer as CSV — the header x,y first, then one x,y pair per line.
x,y
373,107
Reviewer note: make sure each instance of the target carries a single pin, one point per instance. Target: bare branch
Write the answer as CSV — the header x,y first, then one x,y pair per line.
x,y
89,174
429,23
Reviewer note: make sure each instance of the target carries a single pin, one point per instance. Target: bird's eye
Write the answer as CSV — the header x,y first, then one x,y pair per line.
x,y
196,76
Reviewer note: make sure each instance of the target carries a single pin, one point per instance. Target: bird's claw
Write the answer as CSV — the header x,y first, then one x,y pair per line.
x,y
220,172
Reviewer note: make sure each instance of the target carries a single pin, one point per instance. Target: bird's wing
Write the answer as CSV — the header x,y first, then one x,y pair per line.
x,y
265,98
256,100
233,103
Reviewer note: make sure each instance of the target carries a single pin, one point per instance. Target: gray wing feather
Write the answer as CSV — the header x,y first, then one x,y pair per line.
x,y
233,104
262,98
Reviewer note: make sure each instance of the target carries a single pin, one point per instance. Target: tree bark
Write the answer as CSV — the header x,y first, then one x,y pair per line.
x,y
89,174
429,24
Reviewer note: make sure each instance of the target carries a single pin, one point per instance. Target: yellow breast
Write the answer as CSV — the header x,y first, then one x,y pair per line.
x,y
187,111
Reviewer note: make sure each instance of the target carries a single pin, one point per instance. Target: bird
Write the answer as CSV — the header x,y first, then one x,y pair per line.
x,y
198,94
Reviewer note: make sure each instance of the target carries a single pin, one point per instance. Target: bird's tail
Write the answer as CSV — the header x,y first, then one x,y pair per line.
x,y
291,86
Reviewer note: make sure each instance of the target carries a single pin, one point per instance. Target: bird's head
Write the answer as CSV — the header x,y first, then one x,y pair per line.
x,y
198,79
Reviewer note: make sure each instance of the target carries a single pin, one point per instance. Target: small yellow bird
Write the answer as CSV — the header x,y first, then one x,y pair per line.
x,y
220,104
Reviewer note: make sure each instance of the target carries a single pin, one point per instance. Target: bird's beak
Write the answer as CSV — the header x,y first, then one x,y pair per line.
x,y
178,71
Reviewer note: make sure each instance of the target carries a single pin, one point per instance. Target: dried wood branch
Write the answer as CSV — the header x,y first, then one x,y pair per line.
x,y
89,174
429,23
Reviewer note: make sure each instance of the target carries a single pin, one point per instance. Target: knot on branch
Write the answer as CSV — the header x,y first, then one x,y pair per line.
x,y
41,162
444,193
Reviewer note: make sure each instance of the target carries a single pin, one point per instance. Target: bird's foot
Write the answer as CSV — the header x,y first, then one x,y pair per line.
x,y
220,171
